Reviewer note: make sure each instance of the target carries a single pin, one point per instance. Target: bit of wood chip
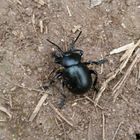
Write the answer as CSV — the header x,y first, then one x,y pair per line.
x,y
69,12
74,104
121,49
139,72
46,29
10,101
123,25
41,26
33,19
37,108
41,2
3,109
76,28
94,3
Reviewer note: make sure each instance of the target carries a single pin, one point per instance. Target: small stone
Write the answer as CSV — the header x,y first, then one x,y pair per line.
x,y
29,72
41,48
23,84
113,110
4,91
39,69
21,35
94,3
123,25
29,11
13,88
14,32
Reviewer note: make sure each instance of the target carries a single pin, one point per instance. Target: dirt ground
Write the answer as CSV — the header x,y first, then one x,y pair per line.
x,y
25,63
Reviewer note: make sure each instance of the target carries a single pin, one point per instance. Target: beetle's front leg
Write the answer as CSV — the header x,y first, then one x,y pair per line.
x,y
95,81
99,62
57,57
57,75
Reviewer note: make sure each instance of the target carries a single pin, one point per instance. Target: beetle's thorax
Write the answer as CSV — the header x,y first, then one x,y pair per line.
x,y
70,59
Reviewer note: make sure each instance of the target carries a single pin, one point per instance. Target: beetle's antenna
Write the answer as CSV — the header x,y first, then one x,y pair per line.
x,y
77,37
58,48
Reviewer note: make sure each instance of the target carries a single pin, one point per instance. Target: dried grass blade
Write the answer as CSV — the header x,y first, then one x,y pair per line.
x,y
3,109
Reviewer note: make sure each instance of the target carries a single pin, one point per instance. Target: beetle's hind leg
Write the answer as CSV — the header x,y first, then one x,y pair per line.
x,y
95,81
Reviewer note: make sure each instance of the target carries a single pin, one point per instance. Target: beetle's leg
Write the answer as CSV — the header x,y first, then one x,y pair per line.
x,y
46,86
96,78
58,74
63,98
99,62
57,57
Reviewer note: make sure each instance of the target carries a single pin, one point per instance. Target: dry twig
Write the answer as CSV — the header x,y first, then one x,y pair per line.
x,y
117,130
121,83
3,109
104,85
2,120
125,58
89,99
37,108
139,72
69,12
41,2
10,101
19,2
60,115
103,126
121,49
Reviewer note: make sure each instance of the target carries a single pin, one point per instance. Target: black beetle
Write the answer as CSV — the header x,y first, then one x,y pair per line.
x,y
137,136
75,74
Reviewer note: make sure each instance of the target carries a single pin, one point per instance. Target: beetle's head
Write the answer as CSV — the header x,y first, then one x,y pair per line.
x,y
70,58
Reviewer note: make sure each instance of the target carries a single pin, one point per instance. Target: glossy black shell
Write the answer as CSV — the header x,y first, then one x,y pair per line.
x,y
76,75
78,78
70,59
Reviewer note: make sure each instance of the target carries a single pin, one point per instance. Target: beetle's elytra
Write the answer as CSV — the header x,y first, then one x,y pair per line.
x,y
75,74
